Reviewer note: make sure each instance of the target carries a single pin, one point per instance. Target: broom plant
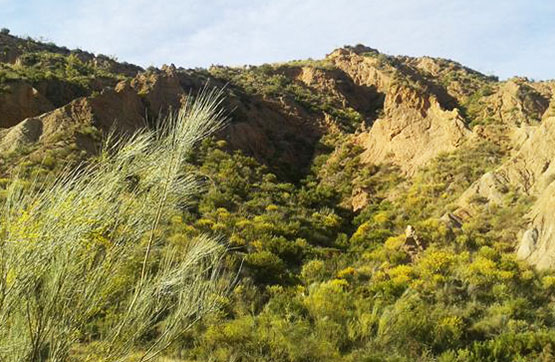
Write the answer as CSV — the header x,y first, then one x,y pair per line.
x,y
89,242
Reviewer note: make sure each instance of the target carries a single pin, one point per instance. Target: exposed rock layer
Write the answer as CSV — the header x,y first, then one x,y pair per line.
x,y
409,110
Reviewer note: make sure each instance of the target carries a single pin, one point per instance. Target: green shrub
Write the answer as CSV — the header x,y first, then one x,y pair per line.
x,y
85,251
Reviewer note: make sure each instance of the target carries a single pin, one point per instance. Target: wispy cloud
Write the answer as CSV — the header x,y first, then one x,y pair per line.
x,y
503,37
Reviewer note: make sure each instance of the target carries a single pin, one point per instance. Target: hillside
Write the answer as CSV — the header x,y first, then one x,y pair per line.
x,y
377,207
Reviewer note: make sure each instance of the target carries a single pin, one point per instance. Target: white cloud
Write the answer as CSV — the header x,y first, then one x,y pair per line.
x,y
506,37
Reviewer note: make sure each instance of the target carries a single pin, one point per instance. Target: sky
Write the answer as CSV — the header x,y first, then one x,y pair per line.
x,y
497,37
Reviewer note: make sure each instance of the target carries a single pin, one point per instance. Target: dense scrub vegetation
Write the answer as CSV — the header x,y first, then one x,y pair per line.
x,y
46,70
58,73
320,282
274,81
120,260
43,65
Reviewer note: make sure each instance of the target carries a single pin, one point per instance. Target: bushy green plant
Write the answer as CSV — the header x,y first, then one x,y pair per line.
x,y
86,243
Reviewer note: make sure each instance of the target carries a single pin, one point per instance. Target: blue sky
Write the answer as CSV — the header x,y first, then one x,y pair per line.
x,y
505,38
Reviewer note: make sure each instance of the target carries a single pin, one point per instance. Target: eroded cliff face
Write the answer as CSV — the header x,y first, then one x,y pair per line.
x,y
423,116
410,109
276,130
404,117
414,125
531,171
121,108
18,101
516,102
537,245
37,77
414,129
400,111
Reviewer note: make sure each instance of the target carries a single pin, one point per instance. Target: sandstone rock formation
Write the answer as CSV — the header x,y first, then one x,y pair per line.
x,y
403,111
413,245
414,126
414,129
537,245
531,171
28,131
516,102
19,101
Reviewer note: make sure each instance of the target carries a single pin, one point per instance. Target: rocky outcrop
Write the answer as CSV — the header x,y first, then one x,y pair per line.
x,y
413,244
36,79
125,107
366,99
18,101
365,70
275,131
414,129
538,242
454,80
120,108
414,126
359,199
531,171
537,245
419,122
26,132
515,102
160,90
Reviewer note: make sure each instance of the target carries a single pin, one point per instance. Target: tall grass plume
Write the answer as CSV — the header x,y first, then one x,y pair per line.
x,y
81,250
